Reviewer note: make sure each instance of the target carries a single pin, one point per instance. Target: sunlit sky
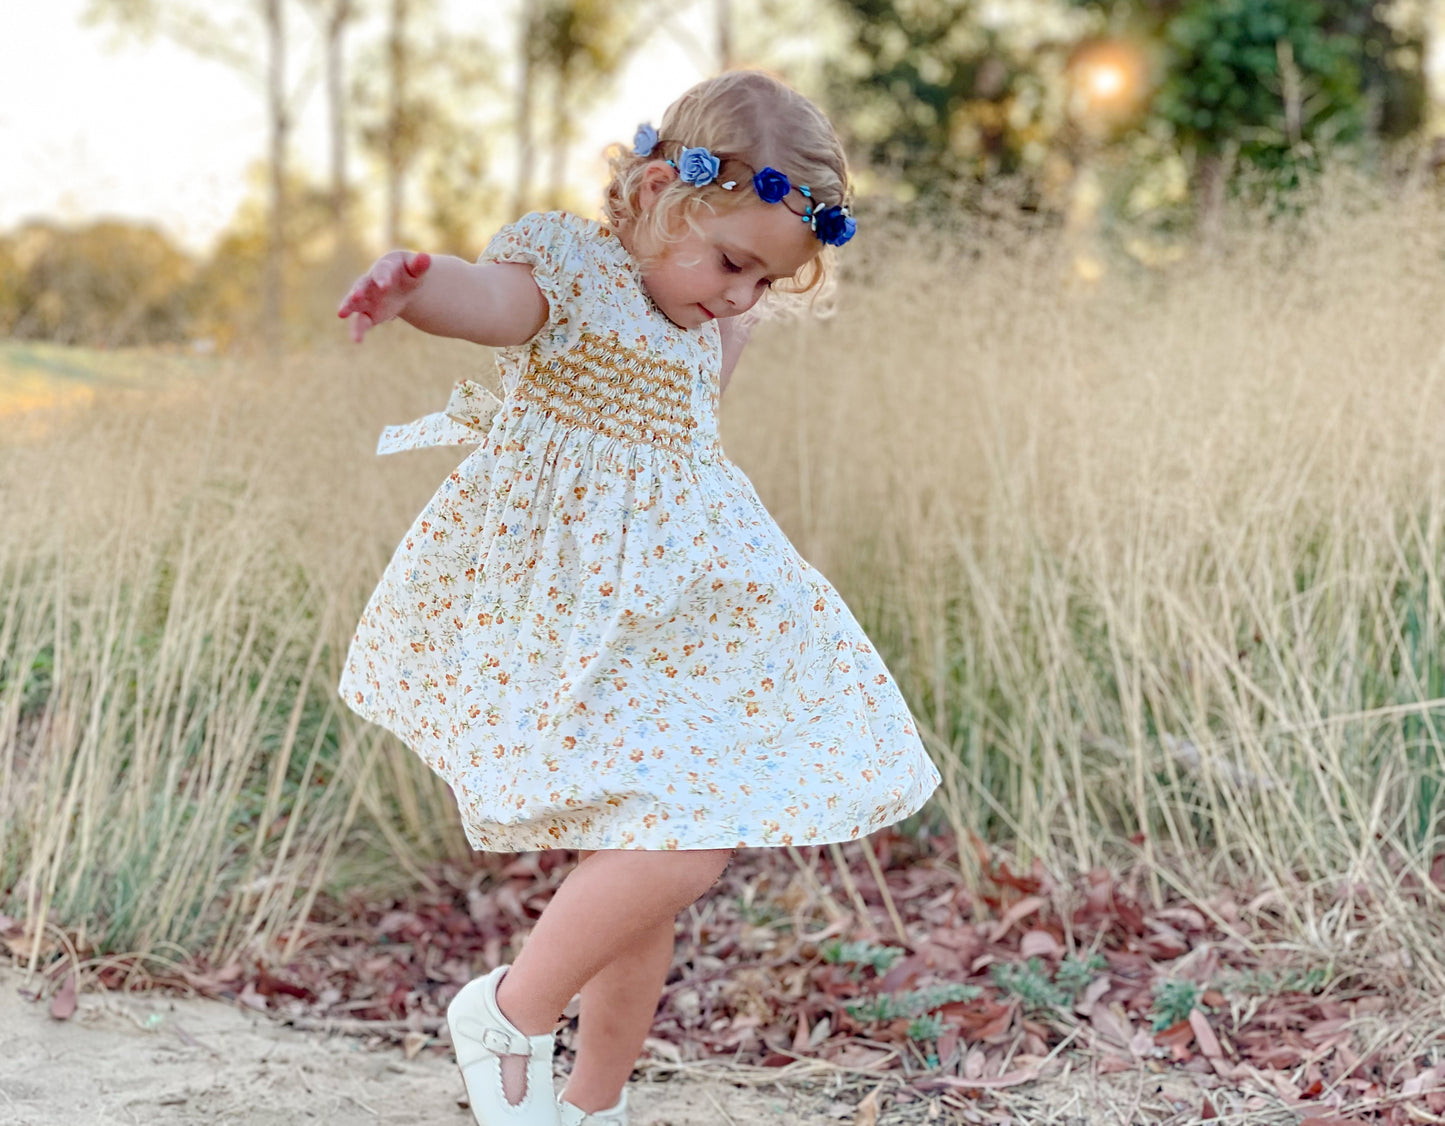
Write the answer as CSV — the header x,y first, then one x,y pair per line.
x,y
93,124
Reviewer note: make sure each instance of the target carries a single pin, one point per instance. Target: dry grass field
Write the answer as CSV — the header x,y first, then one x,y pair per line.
x,y
1158,559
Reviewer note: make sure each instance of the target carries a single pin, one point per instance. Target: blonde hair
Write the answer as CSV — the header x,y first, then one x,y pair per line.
x,y
744,115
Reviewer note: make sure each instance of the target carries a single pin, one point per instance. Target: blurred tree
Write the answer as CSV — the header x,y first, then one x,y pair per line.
x,y
1263,79
238,33
222,306
107,284
1272,85
572,51
335,17
941,97
418,98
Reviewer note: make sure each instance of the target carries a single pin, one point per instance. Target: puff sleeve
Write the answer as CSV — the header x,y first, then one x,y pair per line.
x,y
551,243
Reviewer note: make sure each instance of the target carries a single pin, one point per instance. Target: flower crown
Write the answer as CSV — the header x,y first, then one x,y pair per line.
x,y
833,225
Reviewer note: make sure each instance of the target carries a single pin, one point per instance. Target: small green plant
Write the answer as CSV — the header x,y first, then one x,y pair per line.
x,y
926,1028
1173,1002
911,1004
1075,974
1030,983
878,958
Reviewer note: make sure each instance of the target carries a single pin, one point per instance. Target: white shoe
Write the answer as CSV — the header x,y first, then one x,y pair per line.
x,y
481,1035
576,1116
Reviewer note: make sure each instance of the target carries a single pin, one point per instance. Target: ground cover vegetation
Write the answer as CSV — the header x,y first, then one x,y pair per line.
x,y
1156,556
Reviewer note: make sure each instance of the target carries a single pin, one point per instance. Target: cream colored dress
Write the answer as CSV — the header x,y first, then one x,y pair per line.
x,y
594,632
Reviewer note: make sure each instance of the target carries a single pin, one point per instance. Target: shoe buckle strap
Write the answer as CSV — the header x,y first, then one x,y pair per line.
x,y
504,1043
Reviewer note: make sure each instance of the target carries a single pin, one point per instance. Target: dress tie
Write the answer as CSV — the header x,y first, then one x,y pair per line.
x,y
464,421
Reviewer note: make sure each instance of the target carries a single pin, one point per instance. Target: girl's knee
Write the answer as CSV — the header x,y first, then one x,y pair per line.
x,y
694,872
712,865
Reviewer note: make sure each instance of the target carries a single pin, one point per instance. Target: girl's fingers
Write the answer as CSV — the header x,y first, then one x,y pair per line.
x,y
371,292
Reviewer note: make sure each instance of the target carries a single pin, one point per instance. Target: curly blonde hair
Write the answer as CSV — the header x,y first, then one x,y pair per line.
x,y
743,115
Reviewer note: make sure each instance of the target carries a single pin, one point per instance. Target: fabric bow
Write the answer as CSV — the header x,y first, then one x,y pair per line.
x,y
464,421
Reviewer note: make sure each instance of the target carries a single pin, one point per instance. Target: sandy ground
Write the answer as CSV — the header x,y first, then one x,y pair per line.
x,y
153,1060
158,1060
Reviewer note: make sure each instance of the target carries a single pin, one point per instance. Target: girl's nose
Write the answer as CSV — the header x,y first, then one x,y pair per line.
x,y
742,296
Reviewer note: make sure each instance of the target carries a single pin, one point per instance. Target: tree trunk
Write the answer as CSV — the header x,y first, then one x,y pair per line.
x,y
280,127
1211,176
1434,70
341,14
396,122
561,142
724,13
522,191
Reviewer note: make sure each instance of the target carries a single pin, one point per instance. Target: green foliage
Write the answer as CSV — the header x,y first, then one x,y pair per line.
x,y
1266,76
879,959
931,93
911,1004
1030,983
925,1028
1173,1002
1075,974
108,283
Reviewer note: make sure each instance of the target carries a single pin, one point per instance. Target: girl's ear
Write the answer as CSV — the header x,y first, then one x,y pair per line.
x,y
655,178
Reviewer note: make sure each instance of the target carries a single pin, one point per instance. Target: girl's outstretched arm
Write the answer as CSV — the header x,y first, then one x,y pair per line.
x,y
495,303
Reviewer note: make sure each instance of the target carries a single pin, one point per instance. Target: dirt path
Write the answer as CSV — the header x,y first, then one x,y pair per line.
x,y
152,1060
159,1061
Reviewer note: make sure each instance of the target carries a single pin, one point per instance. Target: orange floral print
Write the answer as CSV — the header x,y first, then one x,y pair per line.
x,y
633,654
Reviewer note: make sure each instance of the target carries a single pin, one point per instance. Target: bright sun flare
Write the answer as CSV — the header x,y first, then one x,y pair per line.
x,y
1107,80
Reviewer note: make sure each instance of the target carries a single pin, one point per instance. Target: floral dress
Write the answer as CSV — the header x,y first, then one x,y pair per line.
x,y
594,631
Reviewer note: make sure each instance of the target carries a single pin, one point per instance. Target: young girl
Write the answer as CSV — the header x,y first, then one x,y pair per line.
x,y
594,631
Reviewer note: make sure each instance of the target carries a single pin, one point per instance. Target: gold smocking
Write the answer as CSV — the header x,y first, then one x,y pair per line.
x,y
626,393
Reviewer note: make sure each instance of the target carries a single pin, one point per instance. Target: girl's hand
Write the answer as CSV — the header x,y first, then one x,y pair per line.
x,y
383,291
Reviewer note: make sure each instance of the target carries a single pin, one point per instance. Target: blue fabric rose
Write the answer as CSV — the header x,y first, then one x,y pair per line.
x,y
771,185
645,141
834,225
697,167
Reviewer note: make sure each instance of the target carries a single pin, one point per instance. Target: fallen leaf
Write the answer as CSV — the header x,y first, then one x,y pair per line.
x,y
1040,944
859,1058
1010,1079
1096,989
1112,1026
1020,910
62,1005
412,1043
1207,1111
867,1113
1204,1035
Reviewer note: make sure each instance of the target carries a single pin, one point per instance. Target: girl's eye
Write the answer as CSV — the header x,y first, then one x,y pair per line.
x,y
730,266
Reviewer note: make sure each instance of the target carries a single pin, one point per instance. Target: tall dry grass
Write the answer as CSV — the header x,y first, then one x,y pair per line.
x,y
1157,559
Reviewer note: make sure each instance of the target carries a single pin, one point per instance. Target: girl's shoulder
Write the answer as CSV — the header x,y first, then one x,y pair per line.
x,y
581,267
557,238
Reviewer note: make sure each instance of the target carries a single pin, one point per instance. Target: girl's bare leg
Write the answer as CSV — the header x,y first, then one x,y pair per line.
x,y
618,1007
603,911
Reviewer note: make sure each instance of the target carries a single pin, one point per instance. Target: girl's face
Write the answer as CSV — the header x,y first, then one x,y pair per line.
x,y
722,271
